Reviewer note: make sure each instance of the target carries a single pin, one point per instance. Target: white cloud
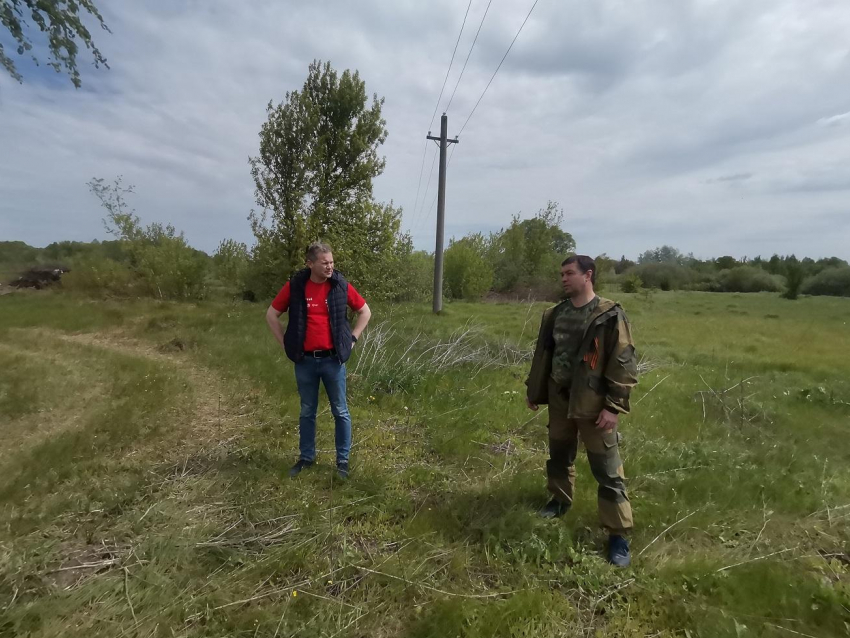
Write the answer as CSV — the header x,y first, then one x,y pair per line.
x,y
835,120
718,127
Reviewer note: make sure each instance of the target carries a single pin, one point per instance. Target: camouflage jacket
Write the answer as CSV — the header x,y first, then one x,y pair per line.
x,y
608,368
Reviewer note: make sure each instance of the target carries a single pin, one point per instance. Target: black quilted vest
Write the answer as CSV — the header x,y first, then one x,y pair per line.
x,y
296,329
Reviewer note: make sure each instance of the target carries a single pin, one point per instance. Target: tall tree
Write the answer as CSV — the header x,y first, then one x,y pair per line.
x,y
726,262
662,255
794,276
530,249
313,175
61,22
623,265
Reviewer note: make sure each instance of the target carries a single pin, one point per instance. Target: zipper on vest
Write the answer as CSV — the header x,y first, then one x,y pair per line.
x,y
331,321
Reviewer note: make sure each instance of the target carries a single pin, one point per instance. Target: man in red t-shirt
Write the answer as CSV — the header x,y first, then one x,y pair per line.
x,y
319,340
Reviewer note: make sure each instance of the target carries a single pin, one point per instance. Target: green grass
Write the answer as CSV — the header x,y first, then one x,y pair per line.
x,y
145,446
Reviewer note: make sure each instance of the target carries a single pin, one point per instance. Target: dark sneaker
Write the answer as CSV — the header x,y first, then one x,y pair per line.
x,y
618,551
342,469
300,465
554,509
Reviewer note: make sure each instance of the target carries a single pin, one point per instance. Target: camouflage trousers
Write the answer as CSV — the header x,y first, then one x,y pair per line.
x,y
615,511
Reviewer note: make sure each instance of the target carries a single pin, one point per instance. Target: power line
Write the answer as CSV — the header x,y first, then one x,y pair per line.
x,y
437,105
452,154
416,219
434,201
421,169
468,55
428,185
498,67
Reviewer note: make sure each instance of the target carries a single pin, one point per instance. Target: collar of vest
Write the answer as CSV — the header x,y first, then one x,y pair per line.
x,y
604,311
303,275
604,306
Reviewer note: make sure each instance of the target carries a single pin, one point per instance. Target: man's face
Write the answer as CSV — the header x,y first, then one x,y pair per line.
x,y
323,266
574,280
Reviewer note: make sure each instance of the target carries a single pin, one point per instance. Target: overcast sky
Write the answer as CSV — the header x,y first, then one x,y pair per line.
x,y
716,126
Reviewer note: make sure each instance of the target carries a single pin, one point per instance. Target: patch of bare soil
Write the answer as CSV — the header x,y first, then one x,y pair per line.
x,y
83,561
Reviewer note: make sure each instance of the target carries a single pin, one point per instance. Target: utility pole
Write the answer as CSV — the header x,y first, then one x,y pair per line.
x,y
441,212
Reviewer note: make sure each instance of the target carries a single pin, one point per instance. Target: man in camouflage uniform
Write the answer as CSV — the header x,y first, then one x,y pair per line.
x,y
584,367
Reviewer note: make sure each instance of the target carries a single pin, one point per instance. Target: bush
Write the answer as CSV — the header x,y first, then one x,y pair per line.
x,y
606,274
666,276
467,274
834,282
97,276
623,265
170,268
706,282
631,283
231,263
749,279
418,269
159,257
17,253
269,268
71,251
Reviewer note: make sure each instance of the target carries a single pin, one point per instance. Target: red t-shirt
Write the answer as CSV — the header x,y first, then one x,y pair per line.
x,y
318,320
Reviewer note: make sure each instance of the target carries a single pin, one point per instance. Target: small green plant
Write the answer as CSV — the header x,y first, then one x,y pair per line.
x,y
648,295
631,283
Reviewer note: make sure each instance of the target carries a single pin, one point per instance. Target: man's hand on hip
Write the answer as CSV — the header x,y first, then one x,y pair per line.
x,y
607,420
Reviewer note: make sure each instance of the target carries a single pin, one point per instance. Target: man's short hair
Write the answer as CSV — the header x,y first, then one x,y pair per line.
x,y
584,264
317,248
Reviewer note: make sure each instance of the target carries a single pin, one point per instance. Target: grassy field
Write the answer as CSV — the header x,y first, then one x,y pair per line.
x,y
145,446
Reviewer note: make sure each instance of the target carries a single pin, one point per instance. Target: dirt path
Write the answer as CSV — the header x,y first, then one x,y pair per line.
x,y
216,416
205,426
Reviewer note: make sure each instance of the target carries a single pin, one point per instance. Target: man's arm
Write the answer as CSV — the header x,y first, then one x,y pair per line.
x,y
273,319
620,374
536,384
363,316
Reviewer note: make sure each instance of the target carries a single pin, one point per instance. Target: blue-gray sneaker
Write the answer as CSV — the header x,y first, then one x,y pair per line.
x,y
342,469
618,551
300,465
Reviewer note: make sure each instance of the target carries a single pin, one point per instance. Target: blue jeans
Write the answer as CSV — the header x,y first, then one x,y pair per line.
x,y
331,372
